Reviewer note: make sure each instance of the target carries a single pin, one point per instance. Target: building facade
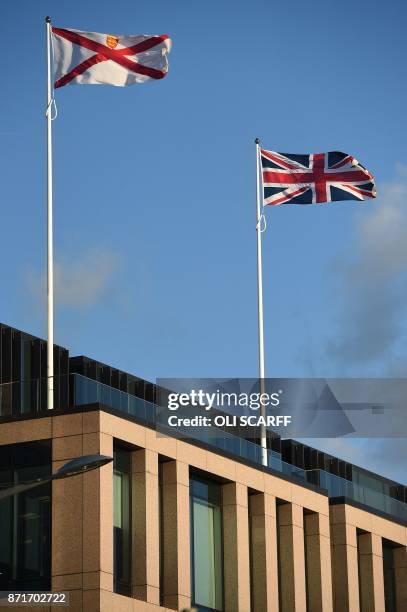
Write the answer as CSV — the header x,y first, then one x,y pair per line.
x,y
175,523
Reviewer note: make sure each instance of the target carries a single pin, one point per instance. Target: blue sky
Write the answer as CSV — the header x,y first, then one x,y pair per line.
x,y
155,243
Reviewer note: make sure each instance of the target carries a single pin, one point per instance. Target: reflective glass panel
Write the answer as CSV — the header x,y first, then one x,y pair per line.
x,y
121,522
206,545
25,519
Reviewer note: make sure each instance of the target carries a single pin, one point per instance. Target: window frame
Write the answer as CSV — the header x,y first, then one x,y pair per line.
x,y
210,501
120,468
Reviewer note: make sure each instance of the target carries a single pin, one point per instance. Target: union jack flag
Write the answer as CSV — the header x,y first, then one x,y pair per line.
x,y
314,179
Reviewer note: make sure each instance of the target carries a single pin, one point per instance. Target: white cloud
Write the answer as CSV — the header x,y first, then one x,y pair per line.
x,y
373,281
78,284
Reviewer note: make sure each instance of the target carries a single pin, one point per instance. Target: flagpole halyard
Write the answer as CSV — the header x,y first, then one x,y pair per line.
x,y
50,257
263,431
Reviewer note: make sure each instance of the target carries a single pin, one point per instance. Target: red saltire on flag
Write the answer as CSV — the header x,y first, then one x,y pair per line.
x,y
90,58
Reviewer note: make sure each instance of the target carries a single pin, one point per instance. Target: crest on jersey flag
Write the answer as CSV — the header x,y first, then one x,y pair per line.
x,y
89,58
313,179
112,41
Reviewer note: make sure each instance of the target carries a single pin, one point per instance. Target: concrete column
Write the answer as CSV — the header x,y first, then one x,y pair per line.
x,y
344,564
264,573
318,560
236,547
176,535
145,527
292,560
67,525
82,517
97,524
400,577
371,573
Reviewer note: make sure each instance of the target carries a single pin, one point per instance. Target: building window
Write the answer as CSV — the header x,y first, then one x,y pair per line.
x,y
25,542
389,577
206,545
122,522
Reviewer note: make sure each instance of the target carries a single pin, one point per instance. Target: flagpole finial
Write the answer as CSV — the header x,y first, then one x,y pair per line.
x,y
48,19
257,141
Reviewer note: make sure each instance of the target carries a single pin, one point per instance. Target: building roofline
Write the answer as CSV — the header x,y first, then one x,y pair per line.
x,y
97,407
336,501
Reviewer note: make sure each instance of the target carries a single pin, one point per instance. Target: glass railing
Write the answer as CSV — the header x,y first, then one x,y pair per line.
x,y
340,487
89,391
30,397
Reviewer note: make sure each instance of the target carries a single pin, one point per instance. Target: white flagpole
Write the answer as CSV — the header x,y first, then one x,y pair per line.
x,y
263,434
50,262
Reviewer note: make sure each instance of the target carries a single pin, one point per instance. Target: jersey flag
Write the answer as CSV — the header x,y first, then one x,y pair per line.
x,y
314,179
89,58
